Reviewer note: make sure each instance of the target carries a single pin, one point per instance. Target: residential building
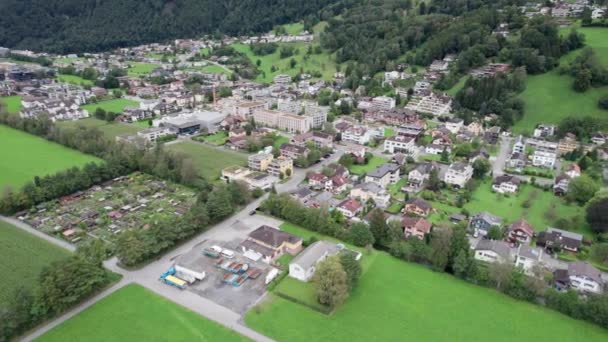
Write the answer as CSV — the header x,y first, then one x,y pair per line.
x,y
350,208
527,258
303,266
285,121
282,79
417,206
319,139
260,161
519,146
267,244
599,138
544,159
383,102
431,103
152,134
293,151
245,109
544,131
356,134
317,181
561,184
573,170
366,191
520,231
421,173
585,278
454,125
436,149
492,251
400,144
458,174
384,175
506,184
482,222
281,165
491,135
554,238
415,227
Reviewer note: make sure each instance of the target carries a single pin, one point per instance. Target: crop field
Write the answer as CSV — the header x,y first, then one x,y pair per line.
x,y
23,256
12,103
25,156
373,163
210,161
131,202
141,69
116,105
550,98
134,313
399,301
74,80
322,62
110,130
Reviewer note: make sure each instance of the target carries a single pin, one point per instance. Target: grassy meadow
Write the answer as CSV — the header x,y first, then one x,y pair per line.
x,y
115,105
210,161
110,130
12,103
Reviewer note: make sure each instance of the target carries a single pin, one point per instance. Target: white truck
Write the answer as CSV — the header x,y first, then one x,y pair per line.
x,y
188,275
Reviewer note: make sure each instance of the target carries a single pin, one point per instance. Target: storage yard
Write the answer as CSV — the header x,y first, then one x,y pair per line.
x,y
130,202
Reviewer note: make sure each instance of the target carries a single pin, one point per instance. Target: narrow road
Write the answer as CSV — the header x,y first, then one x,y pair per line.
x,y
501,158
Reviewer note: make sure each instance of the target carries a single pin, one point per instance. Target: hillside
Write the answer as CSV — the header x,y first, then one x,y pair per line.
x,y
67,26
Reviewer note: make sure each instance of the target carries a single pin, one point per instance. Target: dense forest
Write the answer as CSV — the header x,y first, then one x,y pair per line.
x,y
68,26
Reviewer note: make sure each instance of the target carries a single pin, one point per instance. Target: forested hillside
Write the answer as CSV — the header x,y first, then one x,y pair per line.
x,y
65,26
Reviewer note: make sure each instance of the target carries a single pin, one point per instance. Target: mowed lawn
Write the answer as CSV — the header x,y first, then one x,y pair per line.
x,y
116,105
550,98
12,103
215,69
210,161
399,301
110,130
74,80
511,209
25,156
23,256
141,69
373,163
134,313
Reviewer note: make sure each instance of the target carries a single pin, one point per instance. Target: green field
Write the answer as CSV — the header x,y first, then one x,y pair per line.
x,y
116,105
25,156
322,62
141,69
210,161
110,130
550,98
399,301
134,313
74,80
215,69
456,88
294,28
372,164
12,103
23,256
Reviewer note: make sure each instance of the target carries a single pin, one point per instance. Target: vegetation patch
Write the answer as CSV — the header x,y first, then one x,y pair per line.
x,y
141,69
115,106
12,103
210,161
373,163
109,129
73,79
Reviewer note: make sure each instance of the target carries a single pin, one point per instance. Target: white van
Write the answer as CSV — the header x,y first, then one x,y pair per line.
x,y
226,253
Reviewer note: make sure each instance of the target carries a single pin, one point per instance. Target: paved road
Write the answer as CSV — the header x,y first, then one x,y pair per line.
x,y
501,158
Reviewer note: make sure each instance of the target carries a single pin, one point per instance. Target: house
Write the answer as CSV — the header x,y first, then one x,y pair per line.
x,y
401,144
544,131
560,185
417,206
517,161
458,174
544,159
302,194
421,173
336,184
260,161
584,277
491,135
454,125
527,258
573,170
519,146
482,222
357,134
506,184
319,139
317,180
493,251
350,208
415,227
268,243
366,191
293,151
520,231
303,266
437,149
384,175
554,238
281,166
599,138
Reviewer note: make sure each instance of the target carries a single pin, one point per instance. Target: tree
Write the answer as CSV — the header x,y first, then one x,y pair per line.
x,y
360,235
95,252
434,183
481,166
603,101
445,155
596,213
352,267
331,282
440,248
495,233
131,247
379,228
292,63
219,204
500,273
582,189
583,80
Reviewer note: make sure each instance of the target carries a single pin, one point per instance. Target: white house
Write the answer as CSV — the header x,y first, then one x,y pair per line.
x,y
458,174
357,134
506,184
544,159
528,257
366,191
492,251
384,175
303,266
401,144
584,277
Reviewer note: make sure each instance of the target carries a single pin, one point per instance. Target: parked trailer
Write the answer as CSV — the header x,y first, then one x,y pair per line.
x,y
191,273
169,278
213,251
234,279
253,273
188,278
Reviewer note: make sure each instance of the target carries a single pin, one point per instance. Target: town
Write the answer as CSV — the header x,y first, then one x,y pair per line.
x,y
261,196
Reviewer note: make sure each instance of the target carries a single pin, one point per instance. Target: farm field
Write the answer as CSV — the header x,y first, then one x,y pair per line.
x,y
116,105
399,301
74,80
12,103
32,156
110,130
322,63
141,69
373,163
134,313
550,98
23,256
210,161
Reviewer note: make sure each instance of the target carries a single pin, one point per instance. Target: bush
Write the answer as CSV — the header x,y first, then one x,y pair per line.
x,y
603,102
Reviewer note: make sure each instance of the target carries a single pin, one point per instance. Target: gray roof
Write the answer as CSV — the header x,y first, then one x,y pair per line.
x,y
565,233
491,219
581,268
369,186
382,170
529,252
499,247
311,255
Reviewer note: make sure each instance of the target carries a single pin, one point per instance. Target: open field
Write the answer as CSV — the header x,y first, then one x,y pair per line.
x,y
116,105
294,28
322,62
23,256
141,69
25,156
511,208
110,130
373,163
12,103
216,69
136,314
74,80
210,161
217,139
550,98
399,301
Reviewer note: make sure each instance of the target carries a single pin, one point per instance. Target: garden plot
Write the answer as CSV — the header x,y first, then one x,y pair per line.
x,y
130,202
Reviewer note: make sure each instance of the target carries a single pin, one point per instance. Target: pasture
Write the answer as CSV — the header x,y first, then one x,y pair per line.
x,y
115,105
209,161
12,103
134,313
109,129
23,256
72,79
25,156
141,69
